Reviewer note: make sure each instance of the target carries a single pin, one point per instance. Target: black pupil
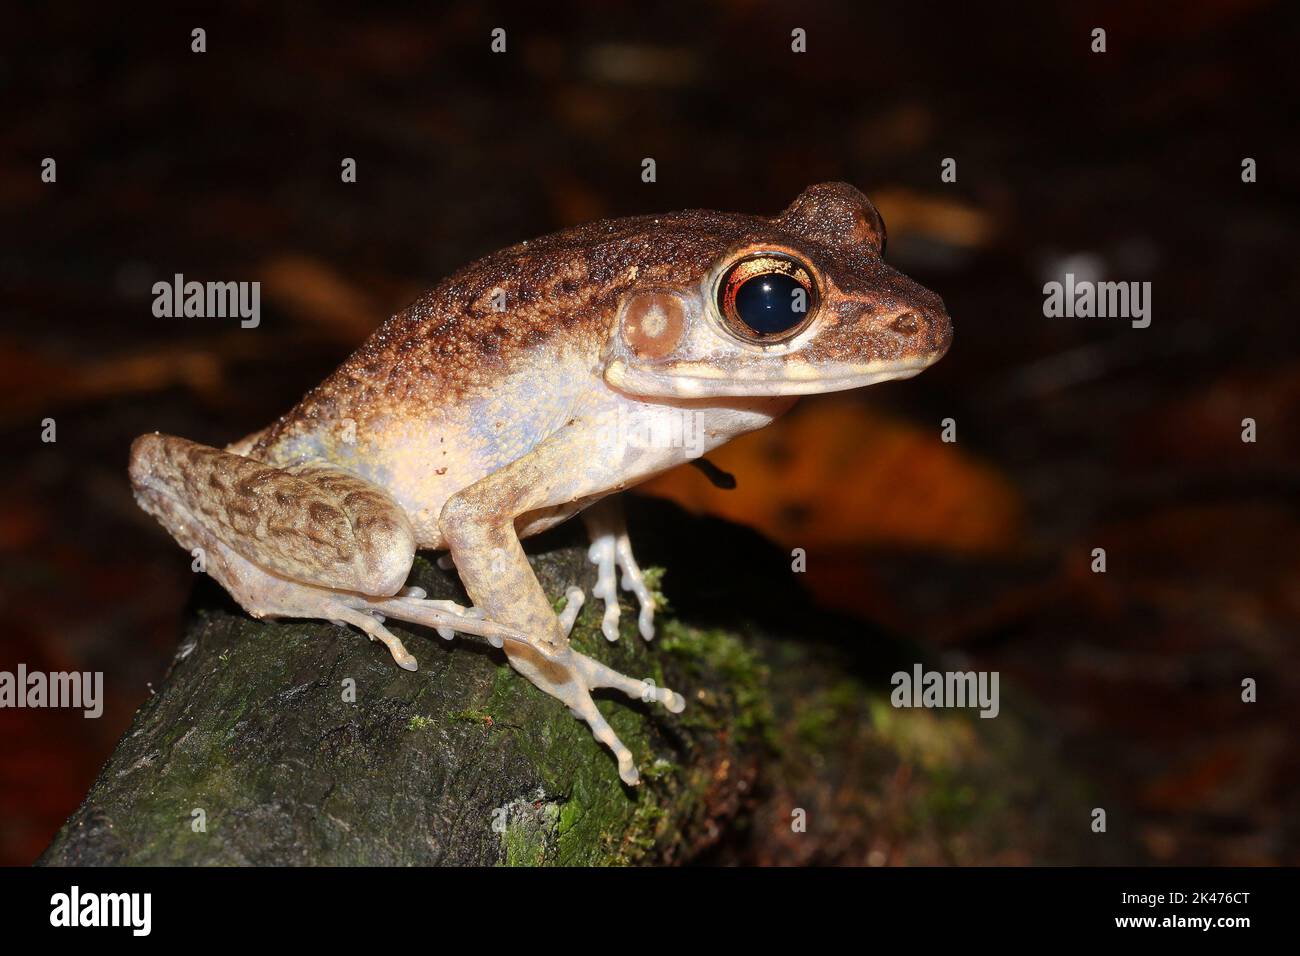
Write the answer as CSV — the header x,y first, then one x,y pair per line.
x,y
769,305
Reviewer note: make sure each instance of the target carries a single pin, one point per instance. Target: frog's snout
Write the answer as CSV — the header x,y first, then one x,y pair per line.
x,y
922,331
912,331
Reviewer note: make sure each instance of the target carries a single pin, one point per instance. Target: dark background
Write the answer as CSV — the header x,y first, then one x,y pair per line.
x,y
1073,433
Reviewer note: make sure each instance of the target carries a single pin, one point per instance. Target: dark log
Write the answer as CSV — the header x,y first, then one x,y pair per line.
x,y
465,762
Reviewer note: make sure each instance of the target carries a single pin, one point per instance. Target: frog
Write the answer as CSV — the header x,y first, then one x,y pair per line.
x,y
532,386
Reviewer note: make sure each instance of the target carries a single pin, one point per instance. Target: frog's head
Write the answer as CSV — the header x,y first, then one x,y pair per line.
x,y
795,305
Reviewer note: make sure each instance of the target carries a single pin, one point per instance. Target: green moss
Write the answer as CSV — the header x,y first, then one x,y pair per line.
x,y
660,770
933,739
815,725
654,577
529,837
641,834
738,673
822,718
580,814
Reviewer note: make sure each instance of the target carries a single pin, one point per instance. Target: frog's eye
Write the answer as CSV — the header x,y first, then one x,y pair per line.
x,y
767,297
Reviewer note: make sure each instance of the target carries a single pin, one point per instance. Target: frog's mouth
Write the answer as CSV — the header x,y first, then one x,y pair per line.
x,y
700,380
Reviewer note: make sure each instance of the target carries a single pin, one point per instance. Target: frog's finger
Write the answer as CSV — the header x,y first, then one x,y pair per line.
x,y
634,581
610,550
595,674
602,555
584,708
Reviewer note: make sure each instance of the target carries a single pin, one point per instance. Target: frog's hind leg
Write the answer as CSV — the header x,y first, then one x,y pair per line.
x,y
610,550
311,541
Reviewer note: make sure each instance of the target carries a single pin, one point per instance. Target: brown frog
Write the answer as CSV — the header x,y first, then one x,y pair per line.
x,y
525,389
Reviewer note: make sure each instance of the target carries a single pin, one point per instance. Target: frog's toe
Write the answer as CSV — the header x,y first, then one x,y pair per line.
x,y
673,701
573,601
445,617
373,626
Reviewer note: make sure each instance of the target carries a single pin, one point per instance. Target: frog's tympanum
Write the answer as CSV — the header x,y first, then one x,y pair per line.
x,y
527,388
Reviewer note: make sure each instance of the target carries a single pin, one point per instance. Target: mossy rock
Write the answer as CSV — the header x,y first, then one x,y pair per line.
x,y
253,752
253,736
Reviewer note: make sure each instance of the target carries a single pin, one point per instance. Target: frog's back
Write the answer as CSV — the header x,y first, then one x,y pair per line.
x,y
517,309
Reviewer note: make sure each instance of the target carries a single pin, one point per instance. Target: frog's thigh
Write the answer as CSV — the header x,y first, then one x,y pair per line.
x,y
315,524
312,541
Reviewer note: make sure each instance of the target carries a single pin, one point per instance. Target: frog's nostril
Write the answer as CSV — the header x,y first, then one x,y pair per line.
x,y
906,324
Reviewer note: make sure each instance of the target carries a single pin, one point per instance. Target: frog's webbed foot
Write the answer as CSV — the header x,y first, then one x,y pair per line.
x,y
610,551
571,677
594,675
445,617
563,673
373,625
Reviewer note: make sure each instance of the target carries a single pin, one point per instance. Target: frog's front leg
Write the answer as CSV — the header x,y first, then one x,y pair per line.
x,y
611,550
478,524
